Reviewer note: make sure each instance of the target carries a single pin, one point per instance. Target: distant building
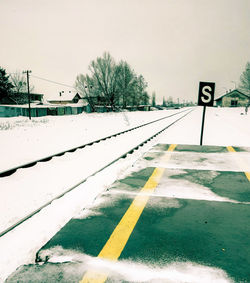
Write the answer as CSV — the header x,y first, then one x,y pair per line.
x,y
234,98
20,98
66,97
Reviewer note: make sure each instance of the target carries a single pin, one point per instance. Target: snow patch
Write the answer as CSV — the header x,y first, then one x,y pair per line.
x,y
125,270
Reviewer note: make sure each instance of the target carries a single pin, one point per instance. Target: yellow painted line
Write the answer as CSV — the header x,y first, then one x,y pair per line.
x,y
240,162
167,155
231,149
118,239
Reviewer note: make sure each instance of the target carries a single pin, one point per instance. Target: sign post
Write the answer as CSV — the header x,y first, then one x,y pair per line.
x,y
205,98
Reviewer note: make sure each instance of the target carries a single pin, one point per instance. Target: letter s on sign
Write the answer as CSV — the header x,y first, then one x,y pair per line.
x,y
207,95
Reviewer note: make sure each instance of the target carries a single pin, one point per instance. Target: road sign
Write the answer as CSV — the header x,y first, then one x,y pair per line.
x,y
206,94
205,98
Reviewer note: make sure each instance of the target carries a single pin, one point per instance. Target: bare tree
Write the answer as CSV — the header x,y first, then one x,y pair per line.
x,y
86,88
101,85
145,98
126,82
141,94
104,75
111,84
245,79
19,82
153,103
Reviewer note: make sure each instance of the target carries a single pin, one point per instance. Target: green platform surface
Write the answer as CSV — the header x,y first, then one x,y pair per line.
x,y
210,233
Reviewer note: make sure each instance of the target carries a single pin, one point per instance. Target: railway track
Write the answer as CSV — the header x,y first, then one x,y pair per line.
x,y
49,175
12,170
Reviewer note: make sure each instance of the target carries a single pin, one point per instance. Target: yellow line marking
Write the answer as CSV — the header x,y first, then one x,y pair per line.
x,y
240,162
231,149
172,147
118,239
167,155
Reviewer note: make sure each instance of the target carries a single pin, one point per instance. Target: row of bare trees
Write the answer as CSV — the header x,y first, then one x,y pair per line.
x,y
111,84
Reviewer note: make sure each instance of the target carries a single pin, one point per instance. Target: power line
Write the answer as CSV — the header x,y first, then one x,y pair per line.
x,y
51,81
45,80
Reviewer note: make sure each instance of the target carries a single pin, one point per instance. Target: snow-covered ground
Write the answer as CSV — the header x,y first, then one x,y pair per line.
x,y
53,178
22,140
223,126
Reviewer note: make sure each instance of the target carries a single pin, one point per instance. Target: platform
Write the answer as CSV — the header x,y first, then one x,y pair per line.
x,y
182,215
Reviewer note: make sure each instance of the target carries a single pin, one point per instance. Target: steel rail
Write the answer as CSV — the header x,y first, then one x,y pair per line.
x,y
12,170
85,179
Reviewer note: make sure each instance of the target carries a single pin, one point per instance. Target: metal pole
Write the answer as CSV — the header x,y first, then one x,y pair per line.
x,y
28,86
202,125
28,93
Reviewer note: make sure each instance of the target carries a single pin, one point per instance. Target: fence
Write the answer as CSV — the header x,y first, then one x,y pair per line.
x,y
36,111
10,111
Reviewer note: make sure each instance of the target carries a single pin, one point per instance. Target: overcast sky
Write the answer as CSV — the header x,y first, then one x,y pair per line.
x,y
174,44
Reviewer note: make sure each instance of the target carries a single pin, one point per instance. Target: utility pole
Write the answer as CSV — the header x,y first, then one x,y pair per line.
x,y
28,87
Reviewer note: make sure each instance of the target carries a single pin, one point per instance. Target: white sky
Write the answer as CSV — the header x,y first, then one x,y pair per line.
x,y
174,44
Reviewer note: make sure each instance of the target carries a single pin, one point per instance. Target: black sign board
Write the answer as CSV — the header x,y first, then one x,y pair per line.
x,y
206,94
205,98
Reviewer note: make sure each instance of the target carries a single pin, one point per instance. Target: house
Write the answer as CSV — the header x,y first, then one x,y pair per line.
x,y
234,98
66,97
19,98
